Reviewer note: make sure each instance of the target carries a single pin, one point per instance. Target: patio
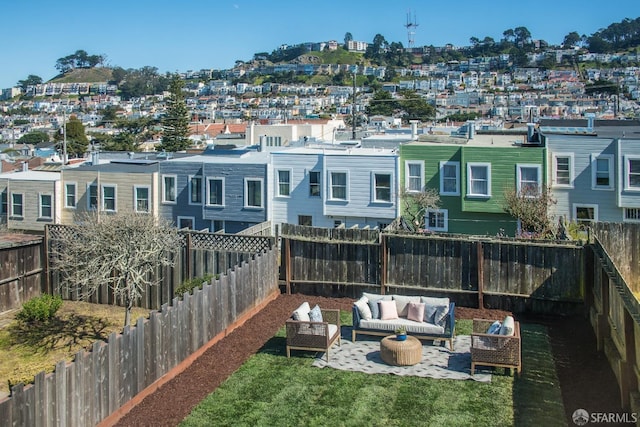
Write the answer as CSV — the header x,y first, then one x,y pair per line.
x,y
585,378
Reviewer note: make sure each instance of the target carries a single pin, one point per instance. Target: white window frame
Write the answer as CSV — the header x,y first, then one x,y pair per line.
x,y
407,177
4,195
103,199
444,164
246,193
584,205
41,206
318,184
188,218
13,205
91,185
191,202
136,199
67,194
627,171
594,172
538,169
554,161
488,168
330,186
374,187
637,215
164,189
222,195
445,218
278,193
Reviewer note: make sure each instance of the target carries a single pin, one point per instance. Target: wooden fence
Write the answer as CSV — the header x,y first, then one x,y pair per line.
x,y
21,270
500,273
98,382
614,310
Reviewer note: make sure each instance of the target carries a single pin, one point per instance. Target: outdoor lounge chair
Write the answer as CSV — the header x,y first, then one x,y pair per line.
x,y
495,349
314,336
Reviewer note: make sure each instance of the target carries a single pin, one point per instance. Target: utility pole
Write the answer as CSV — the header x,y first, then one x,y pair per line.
x,y
64,137
353,109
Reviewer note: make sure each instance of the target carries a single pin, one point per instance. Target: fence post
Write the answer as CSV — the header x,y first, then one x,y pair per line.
x,y
383,257
479,260
287,263
45,255
187,260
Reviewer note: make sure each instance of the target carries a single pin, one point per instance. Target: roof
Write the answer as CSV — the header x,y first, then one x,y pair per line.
x,y
123,166
479,140
338,151
31,176
227,156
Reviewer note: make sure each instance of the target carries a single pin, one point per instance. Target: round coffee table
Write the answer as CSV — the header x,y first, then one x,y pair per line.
x,y
401,353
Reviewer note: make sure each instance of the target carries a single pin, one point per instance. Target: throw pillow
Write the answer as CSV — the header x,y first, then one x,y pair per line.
x,y
302,313
494,328
435,310
402,303
388,310
415,311
315,315
375,309
363,308
508,326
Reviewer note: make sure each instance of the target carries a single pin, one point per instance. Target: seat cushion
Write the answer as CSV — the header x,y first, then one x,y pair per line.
x,y
508,326
402,303
411,326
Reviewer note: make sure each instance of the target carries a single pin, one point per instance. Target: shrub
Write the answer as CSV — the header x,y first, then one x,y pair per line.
x,y
191,284
42,308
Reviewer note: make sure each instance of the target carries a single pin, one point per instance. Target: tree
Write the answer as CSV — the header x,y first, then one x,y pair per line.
x,y
571,40
132,133
415,204
382,104
123,251
347,38
415,108
31,80
35,137
531,207
77,141
175,123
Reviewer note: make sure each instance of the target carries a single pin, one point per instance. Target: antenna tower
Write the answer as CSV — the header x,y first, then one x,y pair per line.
x,y
411,28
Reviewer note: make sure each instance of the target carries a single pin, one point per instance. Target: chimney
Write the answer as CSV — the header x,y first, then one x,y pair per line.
x,y
263,142
414,129
590,120
471,129
530,130
25,166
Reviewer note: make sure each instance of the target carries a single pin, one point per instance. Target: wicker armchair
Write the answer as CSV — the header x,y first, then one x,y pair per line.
x,y
495,350
314,336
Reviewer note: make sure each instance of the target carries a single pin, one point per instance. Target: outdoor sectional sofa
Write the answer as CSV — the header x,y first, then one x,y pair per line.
x,y
425,318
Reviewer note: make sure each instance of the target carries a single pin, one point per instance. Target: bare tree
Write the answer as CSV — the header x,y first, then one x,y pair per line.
x,y
416,203
531,206
125,251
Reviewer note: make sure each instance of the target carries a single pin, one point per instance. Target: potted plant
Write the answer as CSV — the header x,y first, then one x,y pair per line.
x,y
401,333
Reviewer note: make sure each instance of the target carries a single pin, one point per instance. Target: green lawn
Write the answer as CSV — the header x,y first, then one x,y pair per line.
x,y
271,390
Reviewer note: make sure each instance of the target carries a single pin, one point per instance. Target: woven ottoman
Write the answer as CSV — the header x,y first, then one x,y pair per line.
x,y
401,353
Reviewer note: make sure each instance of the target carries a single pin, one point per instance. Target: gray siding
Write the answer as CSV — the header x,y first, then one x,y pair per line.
x,y
627,198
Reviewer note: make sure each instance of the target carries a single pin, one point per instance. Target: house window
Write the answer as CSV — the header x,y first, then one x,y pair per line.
x,y
632,173
109,198
217,226
284,182
632,214
16,205
70,195
563,170
382,187
305,220
141,199
437,219
314,184
252,193
46,210
478,179
169,188
338,185
186,222
92,200
195,190
3,202
215,192
414,180
529,179
450,178
602,171
584,214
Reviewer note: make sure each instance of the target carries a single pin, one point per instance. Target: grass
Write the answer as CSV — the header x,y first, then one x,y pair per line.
x,y
270,389
26,350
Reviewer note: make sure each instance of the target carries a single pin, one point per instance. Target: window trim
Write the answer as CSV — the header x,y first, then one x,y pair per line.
x,y
40,206
208,188
330,185
319,183
444,212
191,202
554,166
277,180
75,195
246,205
13,204
627,171
191,218
574,211
488,168
103,199
89,186
443,164
135,198
175,189
624,215
374,187
407,177
520,166
594,172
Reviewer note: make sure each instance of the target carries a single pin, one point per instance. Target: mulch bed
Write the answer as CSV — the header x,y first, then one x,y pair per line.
x,y
586,378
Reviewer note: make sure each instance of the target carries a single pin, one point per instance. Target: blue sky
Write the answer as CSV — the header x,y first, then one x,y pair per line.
x,y
186,35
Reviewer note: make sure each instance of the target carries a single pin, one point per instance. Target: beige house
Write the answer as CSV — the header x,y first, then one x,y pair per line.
x,y
30,200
